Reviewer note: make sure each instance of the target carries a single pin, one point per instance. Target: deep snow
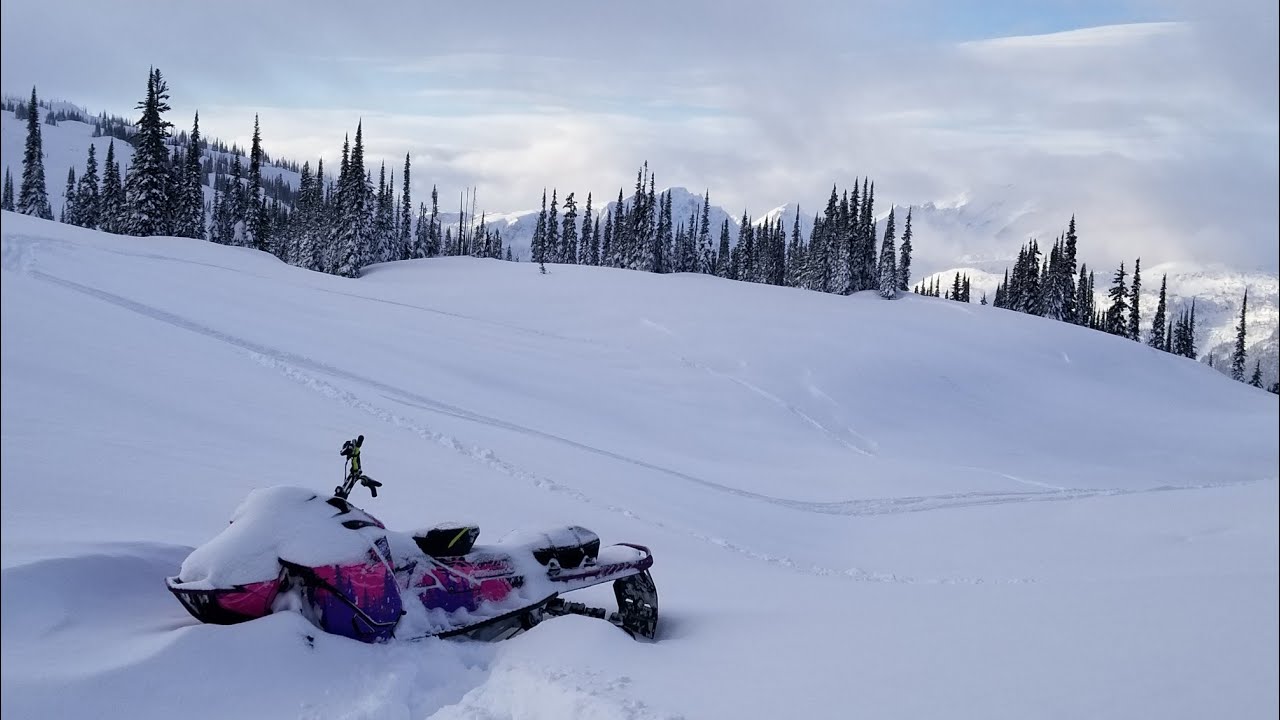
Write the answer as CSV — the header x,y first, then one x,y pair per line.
x,y
856,507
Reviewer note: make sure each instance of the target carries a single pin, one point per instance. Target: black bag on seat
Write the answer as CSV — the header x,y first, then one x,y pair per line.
x,y
447,540
568,546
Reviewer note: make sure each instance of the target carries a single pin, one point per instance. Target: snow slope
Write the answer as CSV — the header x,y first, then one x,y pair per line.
x,y
66,145
901,509
1217,292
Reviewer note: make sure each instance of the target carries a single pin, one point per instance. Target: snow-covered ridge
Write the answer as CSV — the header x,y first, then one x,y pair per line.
x,y
1217,291
953,235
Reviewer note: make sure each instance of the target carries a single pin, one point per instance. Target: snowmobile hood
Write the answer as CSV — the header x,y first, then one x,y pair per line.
x,y
280,523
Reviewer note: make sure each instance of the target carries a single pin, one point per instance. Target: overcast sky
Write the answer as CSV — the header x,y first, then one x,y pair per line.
x,y
1154,122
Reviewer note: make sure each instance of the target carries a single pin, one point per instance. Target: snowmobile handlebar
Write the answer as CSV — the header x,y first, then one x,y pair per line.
x,y
354,471
352,447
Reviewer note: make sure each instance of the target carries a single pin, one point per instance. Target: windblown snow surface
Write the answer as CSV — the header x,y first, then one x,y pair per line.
x,y
857,508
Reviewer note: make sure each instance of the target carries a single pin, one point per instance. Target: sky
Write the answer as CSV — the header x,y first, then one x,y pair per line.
x,y
1154,123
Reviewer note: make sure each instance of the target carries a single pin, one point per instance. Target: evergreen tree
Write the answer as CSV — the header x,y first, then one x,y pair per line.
x,y
355,213
111,201
186,198
661,247
595,240
551,242
434,240
606,242
1134,328
724,256
6,200
795,253
404,247
146,185
569,232
33,195
904,261
537,246
889,276
421,233
86,210
383,238
706,259
746,249
1071,291
1157,339
1256,380
1083,312
666,236
68,196
1117,314
1185,333
1238,357
984,298
255,217
590,253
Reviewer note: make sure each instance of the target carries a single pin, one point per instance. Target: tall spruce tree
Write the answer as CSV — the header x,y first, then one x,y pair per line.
x,y
188,215
904,256
551,241
724,257
33,195
1072,310
68,196
1238,356
421,233
404,247
1082,313
706,256
1117,317
590,247
146,185
889,277
255,209
569,232
434,241
537,246
86,211
111,207
355,213
1157,339
6,200
1134,327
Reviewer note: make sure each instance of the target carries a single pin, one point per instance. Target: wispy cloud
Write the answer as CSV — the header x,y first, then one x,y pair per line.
x,y
1160,136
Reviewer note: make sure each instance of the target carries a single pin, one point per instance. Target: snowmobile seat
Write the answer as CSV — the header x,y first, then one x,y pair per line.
x,y
447,540
568,546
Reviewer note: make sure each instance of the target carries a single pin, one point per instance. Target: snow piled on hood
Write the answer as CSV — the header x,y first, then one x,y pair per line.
x,y
282,522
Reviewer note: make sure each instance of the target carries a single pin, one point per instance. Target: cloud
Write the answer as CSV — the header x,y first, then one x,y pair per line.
x,y
1159,136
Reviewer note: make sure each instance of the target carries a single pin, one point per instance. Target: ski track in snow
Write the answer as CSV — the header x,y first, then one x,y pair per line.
x,y
296,367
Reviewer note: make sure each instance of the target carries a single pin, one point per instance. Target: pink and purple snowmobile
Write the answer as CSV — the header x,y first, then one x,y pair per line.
x,y
292,549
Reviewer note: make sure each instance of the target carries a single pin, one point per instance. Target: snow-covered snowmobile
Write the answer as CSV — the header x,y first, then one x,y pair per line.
x,y
292,549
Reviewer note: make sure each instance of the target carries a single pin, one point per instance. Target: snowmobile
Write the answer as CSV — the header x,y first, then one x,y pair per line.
x,y
292,549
